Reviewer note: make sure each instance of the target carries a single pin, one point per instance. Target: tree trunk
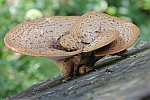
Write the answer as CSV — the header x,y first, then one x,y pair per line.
x,y
116,77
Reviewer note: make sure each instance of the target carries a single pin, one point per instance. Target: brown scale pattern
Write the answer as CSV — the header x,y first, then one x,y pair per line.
x,y
90,25
126,39
102,39
41,37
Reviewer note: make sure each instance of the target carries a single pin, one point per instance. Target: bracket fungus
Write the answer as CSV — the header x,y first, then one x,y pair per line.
x,y
72,42
87,32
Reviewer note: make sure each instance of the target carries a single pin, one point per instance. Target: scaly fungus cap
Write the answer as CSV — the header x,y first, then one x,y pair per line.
x,y
41,37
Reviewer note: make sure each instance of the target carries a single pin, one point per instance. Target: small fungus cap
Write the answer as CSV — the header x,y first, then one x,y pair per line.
x,y
104,38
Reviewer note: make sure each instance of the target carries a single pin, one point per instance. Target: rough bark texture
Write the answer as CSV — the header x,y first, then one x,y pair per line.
x,y
123,78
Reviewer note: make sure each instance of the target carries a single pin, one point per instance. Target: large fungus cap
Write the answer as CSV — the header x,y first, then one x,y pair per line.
x,y
85,34
41,37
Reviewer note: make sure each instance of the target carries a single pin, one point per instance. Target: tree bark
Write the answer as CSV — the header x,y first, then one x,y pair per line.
x,y
116,77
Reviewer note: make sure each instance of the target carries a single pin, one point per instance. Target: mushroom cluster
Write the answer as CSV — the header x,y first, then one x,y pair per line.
x,y
73,42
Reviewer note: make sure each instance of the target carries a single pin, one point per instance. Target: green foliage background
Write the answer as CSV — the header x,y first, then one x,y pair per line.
x,y
18,72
